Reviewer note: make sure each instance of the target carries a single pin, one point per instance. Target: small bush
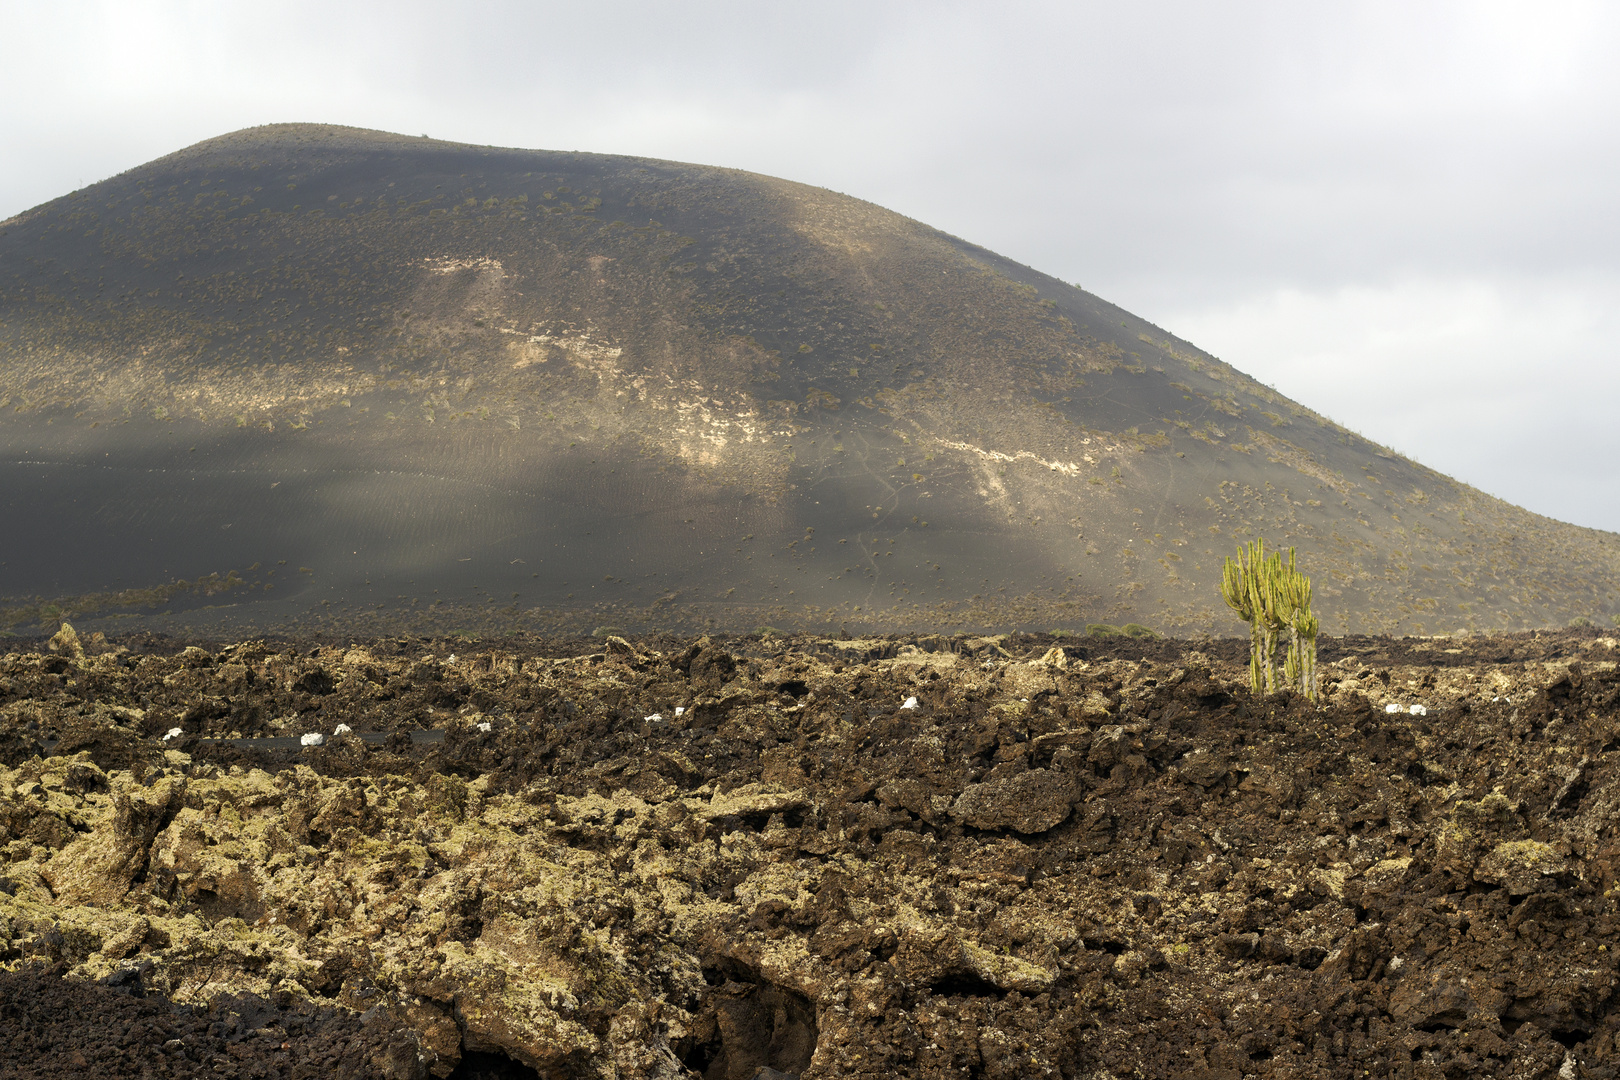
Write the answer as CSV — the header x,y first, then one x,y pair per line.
x,y
1098,629
1137,630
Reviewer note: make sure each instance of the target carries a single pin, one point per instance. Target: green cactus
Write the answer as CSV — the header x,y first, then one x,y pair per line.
x,y
1274,598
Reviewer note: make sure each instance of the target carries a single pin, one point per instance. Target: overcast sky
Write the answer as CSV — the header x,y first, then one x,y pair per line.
x,y
1401,214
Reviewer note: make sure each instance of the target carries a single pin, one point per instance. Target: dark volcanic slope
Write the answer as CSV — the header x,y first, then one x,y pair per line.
x,y
471,385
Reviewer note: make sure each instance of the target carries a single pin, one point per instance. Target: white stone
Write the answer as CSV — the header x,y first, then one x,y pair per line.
x,y
1393,708
486,726
174,733
911,703
655,718
341,730
313,738
1417,710
679,709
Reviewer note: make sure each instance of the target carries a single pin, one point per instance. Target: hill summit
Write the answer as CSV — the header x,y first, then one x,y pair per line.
x,y
303,372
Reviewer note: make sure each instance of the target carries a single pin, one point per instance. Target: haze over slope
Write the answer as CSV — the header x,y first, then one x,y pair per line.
x,y
571,390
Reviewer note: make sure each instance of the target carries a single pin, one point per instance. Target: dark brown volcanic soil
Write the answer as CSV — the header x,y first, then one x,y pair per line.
x,y
1072,858
56,1026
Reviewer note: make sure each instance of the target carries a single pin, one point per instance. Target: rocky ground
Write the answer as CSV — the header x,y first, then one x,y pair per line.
x,y
749,857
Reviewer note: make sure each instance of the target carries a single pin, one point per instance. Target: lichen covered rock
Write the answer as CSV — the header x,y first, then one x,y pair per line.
x,y
797,875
